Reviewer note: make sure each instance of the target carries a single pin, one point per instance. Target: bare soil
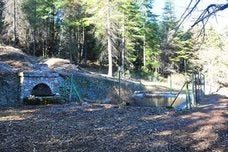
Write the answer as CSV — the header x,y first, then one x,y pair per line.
x,y
103,127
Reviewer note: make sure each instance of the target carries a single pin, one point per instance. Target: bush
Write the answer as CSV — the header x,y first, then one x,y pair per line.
x,y
32,100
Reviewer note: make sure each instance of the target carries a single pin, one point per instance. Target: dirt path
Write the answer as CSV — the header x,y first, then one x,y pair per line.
x,y
108,128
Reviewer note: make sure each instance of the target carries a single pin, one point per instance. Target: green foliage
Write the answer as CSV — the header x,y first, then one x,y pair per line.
x,y
134,33
44,18
85,29
184,46
142,38
177,46
213,39
152,46
168,17
168,22
167,35
43,100
41,11
81,18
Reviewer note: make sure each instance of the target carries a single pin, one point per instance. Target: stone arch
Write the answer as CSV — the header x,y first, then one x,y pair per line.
x,y
41,89
30,81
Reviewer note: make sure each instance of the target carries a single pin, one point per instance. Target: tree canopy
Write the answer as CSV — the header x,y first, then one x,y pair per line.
x,y
114,33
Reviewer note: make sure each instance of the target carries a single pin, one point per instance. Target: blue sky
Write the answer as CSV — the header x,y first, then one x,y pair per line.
x,y
180,5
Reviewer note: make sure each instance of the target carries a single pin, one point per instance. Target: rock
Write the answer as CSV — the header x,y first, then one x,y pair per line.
x,y
106,101
56,62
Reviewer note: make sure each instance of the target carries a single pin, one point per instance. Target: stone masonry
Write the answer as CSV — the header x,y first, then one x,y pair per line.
x,y
28,80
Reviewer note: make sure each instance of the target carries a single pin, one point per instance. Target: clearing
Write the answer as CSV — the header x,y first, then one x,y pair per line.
x,y
104,127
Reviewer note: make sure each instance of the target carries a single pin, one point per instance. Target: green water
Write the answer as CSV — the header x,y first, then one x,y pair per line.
x,y
162,100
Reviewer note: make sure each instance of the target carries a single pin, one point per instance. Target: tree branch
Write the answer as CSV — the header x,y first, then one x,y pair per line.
x,y
203,18
211,10
184,16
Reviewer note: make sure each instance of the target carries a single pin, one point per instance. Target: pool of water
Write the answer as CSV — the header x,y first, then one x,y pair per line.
x,y
159,99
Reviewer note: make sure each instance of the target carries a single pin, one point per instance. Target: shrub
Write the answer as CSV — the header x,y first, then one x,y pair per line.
x,y
32,100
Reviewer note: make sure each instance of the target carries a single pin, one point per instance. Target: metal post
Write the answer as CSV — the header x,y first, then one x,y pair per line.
x,y
188,96
196,87
204,89
170,83
186,91
71,88
193,90
200,86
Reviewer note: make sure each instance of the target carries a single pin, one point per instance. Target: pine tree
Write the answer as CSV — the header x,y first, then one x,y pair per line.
x,y
151,39
142,37
167,34
43,16
134,34
75,30
184,51
106,18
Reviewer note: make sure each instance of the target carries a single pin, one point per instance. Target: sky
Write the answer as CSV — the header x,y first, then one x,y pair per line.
x,y
220,22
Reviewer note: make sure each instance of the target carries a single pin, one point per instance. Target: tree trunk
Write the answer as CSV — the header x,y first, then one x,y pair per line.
x,y
109,41
34,32
144,42
123,50
14,23
78,46
144,50
84,48
70,46
52,45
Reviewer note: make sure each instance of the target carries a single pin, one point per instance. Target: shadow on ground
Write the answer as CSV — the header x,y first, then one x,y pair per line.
x,y
105,127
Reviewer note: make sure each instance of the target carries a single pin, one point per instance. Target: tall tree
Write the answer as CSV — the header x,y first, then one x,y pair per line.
x,y
151,39
11,20
43,17
167,33
107,29
75,27
109,38
134,34
30,7
185,48
140,35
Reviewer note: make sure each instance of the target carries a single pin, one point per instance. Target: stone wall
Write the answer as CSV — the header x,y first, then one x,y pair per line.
x,y
90,88
28,80
9,89
96,88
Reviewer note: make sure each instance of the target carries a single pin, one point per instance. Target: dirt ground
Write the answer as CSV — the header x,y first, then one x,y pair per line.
x,y
95,127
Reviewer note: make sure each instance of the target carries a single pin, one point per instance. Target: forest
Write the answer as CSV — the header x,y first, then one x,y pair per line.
x,y
113,34
113,75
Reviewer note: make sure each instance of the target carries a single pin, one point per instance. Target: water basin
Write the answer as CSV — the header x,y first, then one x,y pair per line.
x,y
159,99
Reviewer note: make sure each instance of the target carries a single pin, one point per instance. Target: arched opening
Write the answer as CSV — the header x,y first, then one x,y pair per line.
x,y
41,90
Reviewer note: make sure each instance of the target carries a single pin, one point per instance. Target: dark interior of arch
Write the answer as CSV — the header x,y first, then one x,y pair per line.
x,y
41,90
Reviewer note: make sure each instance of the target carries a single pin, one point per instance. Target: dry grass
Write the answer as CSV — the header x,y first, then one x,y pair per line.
x,y
16,58
56,62
62,66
